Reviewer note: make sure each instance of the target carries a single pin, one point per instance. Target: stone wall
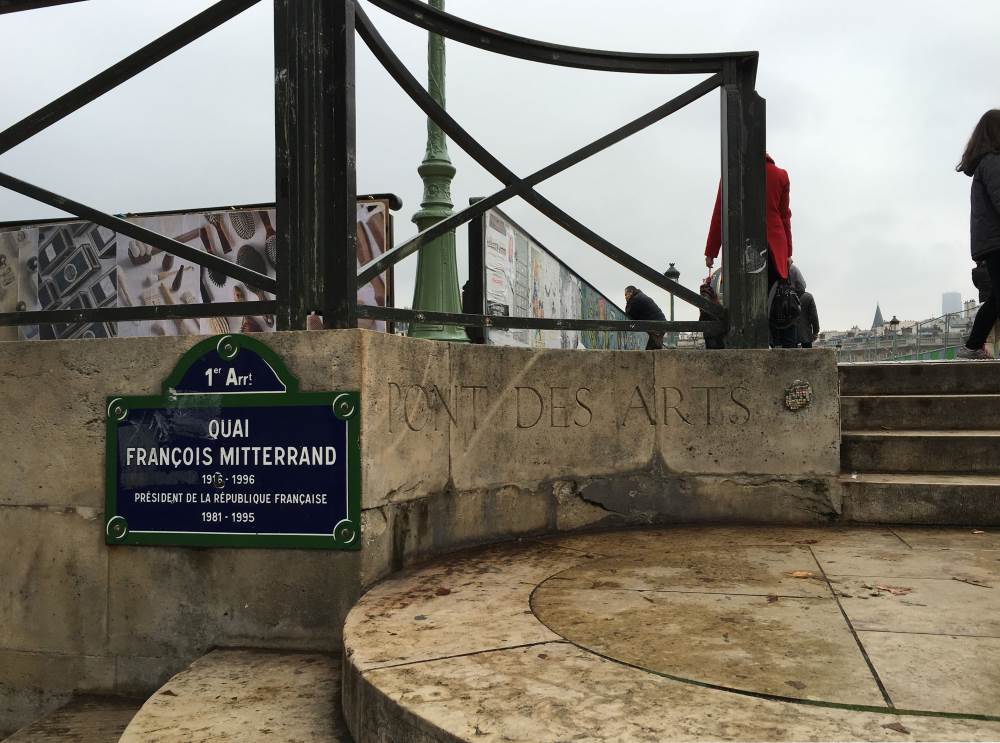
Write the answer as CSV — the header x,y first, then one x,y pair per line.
x,y
493,442
460,445
78,615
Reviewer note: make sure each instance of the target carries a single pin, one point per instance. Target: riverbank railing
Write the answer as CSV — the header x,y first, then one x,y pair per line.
x,y
933,339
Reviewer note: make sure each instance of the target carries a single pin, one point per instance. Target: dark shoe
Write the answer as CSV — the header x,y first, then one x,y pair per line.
x,y
974,354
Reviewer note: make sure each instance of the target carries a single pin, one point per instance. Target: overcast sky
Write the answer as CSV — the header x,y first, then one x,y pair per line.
x,y
869,106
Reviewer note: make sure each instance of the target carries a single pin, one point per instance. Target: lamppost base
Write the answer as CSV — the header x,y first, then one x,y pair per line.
x,y
449,333
437,289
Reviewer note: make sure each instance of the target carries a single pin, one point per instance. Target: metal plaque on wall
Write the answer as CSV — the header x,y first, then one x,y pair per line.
x,y
233,455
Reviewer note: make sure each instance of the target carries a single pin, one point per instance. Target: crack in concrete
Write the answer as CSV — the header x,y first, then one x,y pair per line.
x,y
580,496
854,633
88,512
469,654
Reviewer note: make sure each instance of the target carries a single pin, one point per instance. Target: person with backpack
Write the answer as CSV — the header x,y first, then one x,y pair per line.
x,y
783,309
981,161
807,324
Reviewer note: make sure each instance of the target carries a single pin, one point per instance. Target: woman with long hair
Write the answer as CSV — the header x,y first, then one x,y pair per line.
x,y
981,161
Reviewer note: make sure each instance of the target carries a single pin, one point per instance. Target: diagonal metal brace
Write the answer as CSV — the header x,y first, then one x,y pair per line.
x,y
116,74
481,155
167,245
372,269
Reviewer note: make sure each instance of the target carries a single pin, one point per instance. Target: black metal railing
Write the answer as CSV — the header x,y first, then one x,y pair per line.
x,y
315,170
742,186
80,96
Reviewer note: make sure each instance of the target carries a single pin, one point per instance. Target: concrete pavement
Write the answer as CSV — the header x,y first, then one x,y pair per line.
x,y
686,634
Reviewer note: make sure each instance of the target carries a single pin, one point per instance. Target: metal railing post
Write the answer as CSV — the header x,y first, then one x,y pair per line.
x,y
315,160
743,220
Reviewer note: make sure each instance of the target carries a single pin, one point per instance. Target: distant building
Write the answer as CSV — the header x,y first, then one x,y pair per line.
x,y
878,322
951,302
970,307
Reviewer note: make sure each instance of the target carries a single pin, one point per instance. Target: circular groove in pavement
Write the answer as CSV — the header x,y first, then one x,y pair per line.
x,y
738,622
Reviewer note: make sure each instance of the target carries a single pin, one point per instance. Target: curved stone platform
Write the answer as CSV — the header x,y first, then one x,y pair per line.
x,y
686,634
245,695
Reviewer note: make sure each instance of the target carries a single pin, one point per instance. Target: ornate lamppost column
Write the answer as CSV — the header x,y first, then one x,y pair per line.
x,y
437,273
673,274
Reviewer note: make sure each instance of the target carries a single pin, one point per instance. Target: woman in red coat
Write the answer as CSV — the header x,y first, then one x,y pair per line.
x,y
779,228
779,221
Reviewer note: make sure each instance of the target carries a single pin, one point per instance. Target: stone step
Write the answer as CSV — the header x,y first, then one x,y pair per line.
x,y
86,719
921,378
913,452
246,695
919,412
960,500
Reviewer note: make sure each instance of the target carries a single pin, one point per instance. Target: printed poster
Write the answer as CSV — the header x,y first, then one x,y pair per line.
x,y
9,273
524,279
505,296
80,265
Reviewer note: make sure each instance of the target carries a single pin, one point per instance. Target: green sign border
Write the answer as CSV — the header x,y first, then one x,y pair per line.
x,y
346,406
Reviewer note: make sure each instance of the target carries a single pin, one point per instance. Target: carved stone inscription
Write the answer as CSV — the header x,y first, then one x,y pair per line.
x,y
419,407
694,406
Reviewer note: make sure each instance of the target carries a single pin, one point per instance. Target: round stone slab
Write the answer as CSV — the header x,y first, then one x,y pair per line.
x,y
736,619
686,634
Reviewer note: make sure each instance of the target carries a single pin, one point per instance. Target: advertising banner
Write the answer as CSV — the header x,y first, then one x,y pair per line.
x,y
504,262
80,265
522,278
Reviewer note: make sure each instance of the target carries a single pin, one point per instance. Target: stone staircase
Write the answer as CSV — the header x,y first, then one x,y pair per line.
x,y
86,719
226,696
921,442
244,696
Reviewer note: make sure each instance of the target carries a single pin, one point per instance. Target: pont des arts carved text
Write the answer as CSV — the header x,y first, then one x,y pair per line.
x,y
420,407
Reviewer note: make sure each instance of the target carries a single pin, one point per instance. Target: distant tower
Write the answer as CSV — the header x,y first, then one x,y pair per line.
x,y
878,322
951,302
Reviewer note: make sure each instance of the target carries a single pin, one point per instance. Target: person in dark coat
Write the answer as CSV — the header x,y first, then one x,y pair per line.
x,y
981,161
808,322
474,333
779,236
639,306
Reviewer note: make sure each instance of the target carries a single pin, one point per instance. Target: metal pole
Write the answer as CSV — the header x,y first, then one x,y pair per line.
x,y
436,287
743,226
674,275
314,162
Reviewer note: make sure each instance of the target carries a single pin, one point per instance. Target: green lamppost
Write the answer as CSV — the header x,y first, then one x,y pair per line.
x,y
437,273
673,274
